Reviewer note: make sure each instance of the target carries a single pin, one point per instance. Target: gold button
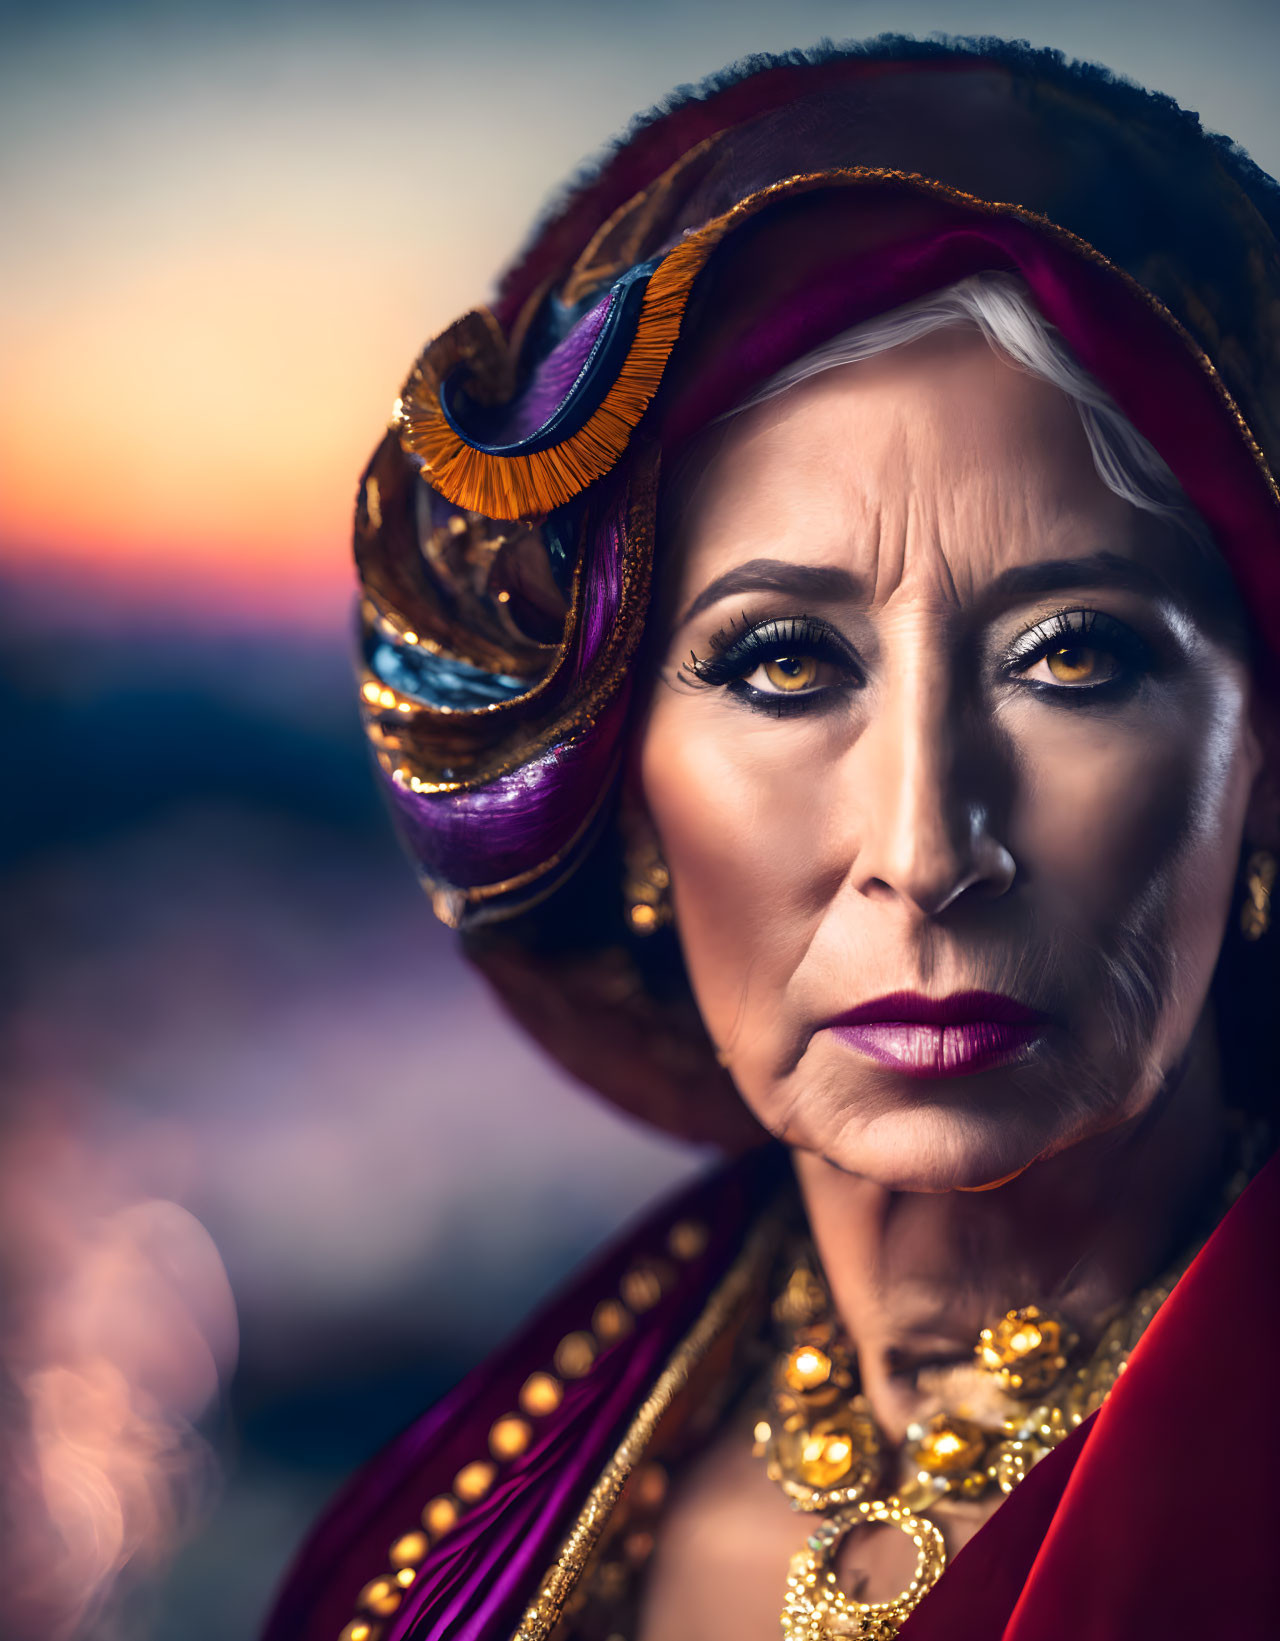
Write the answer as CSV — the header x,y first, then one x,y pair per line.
x,y
826,1457
509,1436
1026,1351
949,1446
381,1596
440,1516
687,1239
474,1480
806,1368
410,1551
574,1355
541,1394
611,1320
406,1576
643,1285
360,1629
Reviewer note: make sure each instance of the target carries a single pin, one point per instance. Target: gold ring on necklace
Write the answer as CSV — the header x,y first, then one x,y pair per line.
x,y
817,1609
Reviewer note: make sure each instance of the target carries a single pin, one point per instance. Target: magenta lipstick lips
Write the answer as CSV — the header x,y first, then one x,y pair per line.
x,y
951,1036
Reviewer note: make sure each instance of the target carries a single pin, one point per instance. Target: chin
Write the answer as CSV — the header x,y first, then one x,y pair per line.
x,y
961,1133
935,1145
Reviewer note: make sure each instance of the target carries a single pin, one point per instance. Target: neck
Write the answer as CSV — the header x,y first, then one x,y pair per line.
x,y
916,1276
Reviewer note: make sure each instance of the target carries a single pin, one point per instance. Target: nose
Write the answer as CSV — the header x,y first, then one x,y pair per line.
x,y
924,790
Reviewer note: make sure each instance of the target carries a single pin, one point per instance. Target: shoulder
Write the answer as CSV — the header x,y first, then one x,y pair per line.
x,y
451,1528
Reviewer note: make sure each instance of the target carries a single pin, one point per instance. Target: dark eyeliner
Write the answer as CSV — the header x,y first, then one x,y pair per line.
x,y
740,647
1076,629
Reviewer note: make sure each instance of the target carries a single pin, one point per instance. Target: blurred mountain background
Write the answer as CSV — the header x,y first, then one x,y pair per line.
x,y
237,1048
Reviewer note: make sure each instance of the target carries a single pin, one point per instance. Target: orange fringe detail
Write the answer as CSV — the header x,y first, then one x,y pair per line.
x,y
529,487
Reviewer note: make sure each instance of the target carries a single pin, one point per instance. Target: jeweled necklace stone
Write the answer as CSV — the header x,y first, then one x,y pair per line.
x,y
821,1443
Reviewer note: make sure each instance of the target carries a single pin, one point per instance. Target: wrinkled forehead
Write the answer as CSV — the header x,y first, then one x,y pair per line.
x,y
808,268
928,471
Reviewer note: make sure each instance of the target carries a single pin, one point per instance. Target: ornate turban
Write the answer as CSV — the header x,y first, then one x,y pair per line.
x,y
506,527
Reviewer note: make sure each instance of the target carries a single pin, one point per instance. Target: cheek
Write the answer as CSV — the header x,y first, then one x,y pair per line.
x,y
1137,825
745,861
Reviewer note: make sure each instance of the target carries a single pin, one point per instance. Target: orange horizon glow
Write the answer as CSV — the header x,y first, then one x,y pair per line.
x,y
198,431
219,273
227,238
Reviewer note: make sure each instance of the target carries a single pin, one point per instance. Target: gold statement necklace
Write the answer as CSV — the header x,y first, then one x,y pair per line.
x,y
821,1444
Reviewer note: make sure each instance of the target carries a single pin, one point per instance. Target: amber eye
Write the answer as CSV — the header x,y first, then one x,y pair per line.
x,y
1075,664
791,673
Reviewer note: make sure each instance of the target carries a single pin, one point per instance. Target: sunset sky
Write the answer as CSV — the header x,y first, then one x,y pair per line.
x,y
229,228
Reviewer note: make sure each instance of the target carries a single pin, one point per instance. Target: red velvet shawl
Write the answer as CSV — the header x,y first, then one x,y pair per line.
x,y
1154,1520
1157,1519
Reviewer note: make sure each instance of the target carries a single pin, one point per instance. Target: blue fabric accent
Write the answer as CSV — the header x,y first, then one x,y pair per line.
x,y
440,681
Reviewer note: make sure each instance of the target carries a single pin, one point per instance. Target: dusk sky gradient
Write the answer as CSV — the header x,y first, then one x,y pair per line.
x,y
230,228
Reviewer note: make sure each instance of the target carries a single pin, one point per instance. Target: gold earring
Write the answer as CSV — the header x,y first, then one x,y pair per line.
x,y
1259,879
646,887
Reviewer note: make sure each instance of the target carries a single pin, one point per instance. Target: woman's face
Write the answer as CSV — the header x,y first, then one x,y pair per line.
x,y
950,764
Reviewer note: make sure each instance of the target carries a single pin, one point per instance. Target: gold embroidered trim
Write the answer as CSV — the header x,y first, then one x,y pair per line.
x,y
530,486
646,1281
417,741
546,1609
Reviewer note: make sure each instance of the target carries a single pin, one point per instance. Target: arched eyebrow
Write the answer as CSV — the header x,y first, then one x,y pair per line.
x,y
1026,581
828,583
818,582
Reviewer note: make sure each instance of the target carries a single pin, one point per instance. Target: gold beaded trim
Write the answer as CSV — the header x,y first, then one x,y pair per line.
x,y
646,1281
735,1290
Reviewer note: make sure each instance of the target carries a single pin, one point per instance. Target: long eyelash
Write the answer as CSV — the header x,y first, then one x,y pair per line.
x,y
740,645
1074,627
1065,626
695,671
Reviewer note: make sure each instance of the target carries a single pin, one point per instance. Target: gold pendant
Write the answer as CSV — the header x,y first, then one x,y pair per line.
x,y
817,1609
820,1442
1026,1351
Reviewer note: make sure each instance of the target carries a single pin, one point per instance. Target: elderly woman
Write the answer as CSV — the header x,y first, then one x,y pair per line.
x,y
819,640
